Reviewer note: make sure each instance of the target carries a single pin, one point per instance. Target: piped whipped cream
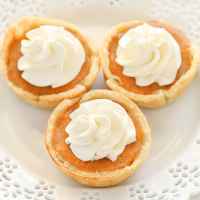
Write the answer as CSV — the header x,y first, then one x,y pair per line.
x,y
149,54
51,56
99,129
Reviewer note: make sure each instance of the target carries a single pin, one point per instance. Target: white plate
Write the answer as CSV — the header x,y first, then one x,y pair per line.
x,y
172,170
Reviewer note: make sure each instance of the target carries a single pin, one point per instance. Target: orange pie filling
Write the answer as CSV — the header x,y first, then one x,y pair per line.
x,y
126,158
14,75
129,83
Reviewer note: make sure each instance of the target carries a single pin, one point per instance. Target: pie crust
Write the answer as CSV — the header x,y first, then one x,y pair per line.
x,y
103,172
46,97
150,96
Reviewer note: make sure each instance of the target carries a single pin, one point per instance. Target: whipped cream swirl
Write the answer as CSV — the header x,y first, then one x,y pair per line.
x,y
51,56
99,129
149,54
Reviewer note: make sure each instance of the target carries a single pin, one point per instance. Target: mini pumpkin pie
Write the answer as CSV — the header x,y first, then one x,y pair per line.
x,y
150,62
98,140
47,60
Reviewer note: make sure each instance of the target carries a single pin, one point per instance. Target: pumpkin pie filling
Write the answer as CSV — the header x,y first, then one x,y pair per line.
x,y
14,75
129,83
125,159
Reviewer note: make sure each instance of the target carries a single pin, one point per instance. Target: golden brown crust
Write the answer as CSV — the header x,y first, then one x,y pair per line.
x,y
107,178
50,100
158,98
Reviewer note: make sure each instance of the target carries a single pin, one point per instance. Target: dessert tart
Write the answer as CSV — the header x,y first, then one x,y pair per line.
x,y
98,140
150,62
47,60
